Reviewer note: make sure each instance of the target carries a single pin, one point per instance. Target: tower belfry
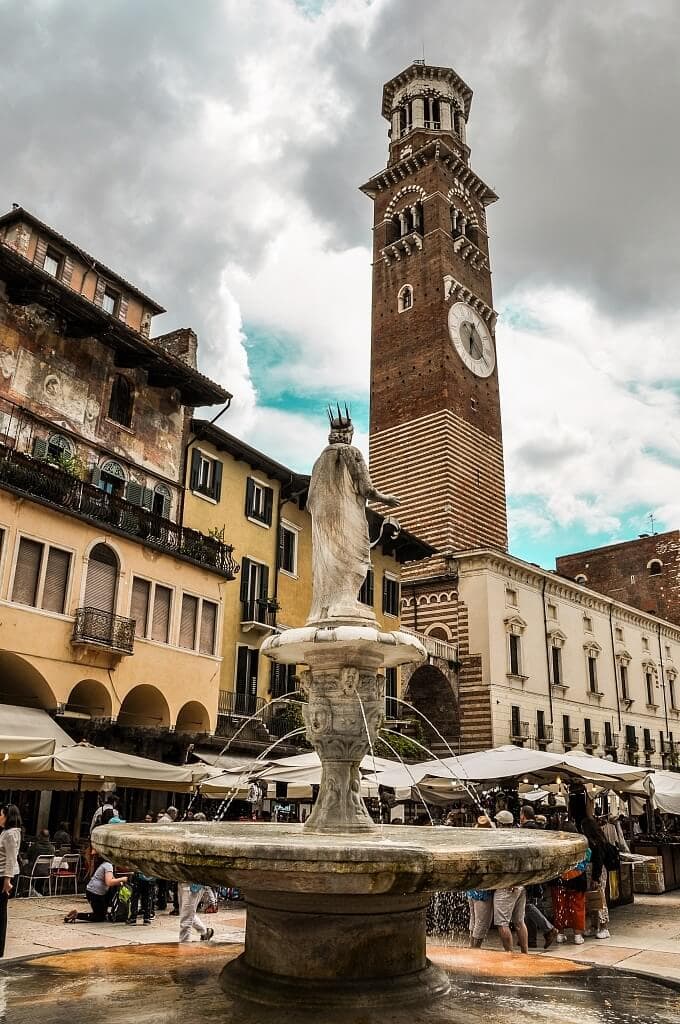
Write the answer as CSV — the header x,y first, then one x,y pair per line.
x,y
435,428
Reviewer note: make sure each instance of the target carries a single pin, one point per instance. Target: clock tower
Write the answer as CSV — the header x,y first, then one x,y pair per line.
x,y
435,427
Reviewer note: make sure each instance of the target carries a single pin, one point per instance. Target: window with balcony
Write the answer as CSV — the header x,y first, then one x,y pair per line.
x,y
281,681
391,706
110,478
259,501
41,576
162,501
587,733
390,595
608,736
631,738
366,594
288,549
121,401
206,475
540,727
515,722
256,606
247,667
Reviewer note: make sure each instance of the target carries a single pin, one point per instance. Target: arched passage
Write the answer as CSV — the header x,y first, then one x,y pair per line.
x,y
144,707
193,717
430,691
88,697
23,685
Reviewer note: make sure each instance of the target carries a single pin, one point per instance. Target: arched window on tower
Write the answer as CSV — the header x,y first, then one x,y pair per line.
x,y
121,401
433,118
458,222
405,118
655,567
405,298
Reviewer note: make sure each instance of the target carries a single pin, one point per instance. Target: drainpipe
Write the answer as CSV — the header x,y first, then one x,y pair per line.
x,y
616,675
663,678
547,657
185,462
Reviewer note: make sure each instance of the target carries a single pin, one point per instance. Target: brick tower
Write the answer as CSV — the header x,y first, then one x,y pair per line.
x,y
435,427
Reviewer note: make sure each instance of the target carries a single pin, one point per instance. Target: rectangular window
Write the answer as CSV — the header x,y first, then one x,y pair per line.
x,y
515,659
515,720
588,732
592,673
281,681
631,738
671,692
391,601
53,262
623,675
288,550
110,300
206,475
208,633
608,735
566,729
511,597
618,634
649,687
187,624
160,620
556,659
255,604
247,665
645,643
540,725
647,739
552,611
391,706
366,594
259,501
38,581
139,605
587,624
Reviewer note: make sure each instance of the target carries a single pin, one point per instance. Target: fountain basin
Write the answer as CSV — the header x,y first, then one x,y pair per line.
x,y
337,919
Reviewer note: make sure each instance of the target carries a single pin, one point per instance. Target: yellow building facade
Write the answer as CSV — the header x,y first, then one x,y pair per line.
x,y
236,491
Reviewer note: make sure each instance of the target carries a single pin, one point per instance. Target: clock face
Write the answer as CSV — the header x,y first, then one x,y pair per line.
x,y
471,339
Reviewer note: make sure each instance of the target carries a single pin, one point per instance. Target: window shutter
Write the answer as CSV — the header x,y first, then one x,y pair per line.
x,y
102,579
139,605
166,507
282,549
123,308
250,492
268,505
370,587
96,476
40,448
40,253
25,589
147,498
384,593
195,469
217,480
242,660
206,643
264,582
67,270
162,606
187,625
252,671
134,493
245,578
56,580
99,292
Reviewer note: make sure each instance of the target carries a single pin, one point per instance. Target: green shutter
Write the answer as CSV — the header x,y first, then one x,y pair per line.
x,y
217,480
147,498
40,448
268,505
195,469
134,493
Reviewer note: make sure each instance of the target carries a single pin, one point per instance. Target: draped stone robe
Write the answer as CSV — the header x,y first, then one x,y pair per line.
x,y
341,553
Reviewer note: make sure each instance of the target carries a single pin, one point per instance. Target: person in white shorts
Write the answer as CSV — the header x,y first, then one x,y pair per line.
x,y
509,905
190,894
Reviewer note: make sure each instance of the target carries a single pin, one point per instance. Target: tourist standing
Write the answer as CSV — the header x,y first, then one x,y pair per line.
x,y
534,915
10,840
569,898
509,905
597,841
190,895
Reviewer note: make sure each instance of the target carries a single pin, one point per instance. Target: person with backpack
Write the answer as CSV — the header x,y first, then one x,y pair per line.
x,y
99,891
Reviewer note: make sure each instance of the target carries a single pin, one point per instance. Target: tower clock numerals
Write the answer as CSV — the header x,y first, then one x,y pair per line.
x,y
471,339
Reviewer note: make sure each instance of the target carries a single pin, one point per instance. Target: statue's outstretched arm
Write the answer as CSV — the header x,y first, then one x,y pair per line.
x,y
363,483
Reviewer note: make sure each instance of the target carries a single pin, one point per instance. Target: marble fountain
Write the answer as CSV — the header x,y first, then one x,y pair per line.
x,y
335,907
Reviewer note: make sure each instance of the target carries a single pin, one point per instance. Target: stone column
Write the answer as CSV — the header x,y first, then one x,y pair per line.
x,y
445,114
418,107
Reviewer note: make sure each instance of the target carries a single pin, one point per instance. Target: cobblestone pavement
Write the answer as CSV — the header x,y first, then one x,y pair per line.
x,y
645,937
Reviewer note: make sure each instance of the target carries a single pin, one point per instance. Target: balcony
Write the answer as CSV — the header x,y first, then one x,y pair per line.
x,y
53,486
650,746
570,737
545,735
435,648
591,741
95,628
259,614
519,731
611,743
632,746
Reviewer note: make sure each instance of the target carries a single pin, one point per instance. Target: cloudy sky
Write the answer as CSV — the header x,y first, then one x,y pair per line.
x,y
212,151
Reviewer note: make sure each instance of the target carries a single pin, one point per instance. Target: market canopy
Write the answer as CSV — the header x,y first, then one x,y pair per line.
x,y
26,732
81,766
663,787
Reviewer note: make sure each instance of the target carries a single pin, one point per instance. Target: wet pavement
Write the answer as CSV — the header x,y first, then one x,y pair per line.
x,y
171,984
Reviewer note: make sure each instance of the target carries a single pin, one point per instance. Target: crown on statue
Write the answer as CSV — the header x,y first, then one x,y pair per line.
x,y
339,422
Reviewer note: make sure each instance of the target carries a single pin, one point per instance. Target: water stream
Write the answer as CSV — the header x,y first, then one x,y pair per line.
x,y
404,765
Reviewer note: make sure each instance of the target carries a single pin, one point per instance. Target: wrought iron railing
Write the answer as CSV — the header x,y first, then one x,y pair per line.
x,y
231,703
519,730
591,740
48,483
545,734
259,610
570,737
93,626
650,746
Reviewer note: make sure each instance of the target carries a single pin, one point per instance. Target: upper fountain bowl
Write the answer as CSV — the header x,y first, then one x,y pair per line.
x,y
345,643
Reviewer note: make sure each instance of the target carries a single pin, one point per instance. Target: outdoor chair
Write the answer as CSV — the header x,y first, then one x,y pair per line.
x,y
65,868
40,875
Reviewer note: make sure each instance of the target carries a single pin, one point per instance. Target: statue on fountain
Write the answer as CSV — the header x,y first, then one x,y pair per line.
x,y
341,551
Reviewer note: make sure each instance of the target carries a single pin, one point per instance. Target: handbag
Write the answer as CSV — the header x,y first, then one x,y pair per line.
x,y
595,900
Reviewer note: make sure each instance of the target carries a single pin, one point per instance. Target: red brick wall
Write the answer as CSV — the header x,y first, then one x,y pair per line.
x,y
621,571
